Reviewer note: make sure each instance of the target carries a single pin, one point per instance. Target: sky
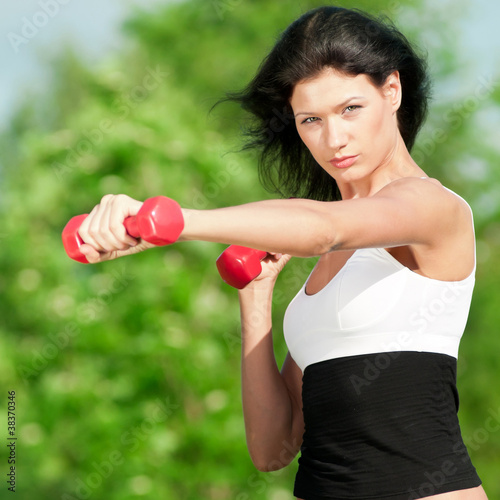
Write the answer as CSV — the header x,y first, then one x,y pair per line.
x,y
32,31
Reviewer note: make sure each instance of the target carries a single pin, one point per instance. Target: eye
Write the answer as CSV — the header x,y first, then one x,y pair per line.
x,y
351,108
311,119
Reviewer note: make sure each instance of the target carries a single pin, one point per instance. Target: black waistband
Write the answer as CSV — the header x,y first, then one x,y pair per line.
x,y
382,426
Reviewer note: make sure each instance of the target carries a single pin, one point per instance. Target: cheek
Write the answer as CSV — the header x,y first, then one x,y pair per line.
x,y
381,125
301,134
308,138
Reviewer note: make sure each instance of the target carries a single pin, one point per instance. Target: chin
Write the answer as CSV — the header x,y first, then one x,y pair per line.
x,y
356,172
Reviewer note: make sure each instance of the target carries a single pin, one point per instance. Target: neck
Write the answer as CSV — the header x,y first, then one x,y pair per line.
x,y
396,165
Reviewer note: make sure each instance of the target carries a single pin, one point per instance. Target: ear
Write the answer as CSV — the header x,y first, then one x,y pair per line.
x,y
393,90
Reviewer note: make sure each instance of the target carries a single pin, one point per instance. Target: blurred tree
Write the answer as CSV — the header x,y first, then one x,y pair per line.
x,y
127,373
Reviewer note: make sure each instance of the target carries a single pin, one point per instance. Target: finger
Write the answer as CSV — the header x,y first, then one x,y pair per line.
x,y
94,257
85,231
277,256
91,254
98,229
285,259
114,234
282,262
121,207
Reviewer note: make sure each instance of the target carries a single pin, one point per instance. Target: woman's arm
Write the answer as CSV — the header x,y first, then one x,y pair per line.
x,y
407,211
272,400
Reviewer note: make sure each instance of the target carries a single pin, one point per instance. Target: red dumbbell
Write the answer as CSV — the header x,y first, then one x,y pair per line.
x,y
159,221
239,265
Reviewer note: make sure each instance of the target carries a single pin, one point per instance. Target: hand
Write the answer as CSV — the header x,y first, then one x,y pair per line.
x,y
272,265
104,234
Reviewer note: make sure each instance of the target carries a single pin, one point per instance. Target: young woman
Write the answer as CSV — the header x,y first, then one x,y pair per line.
x,y
367,392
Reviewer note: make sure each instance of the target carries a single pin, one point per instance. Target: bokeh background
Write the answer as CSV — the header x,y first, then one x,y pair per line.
x,y
127,373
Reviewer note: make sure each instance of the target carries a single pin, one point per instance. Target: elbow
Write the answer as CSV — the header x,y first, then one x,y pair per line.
x,y
316,235
259,464
318,242
327,247
326,236
261,459
270,465
326,243
267,460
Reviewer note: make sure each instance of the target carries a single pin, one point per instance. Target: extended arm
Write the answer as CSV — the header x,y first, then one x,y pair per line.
x,y
413,212
405,212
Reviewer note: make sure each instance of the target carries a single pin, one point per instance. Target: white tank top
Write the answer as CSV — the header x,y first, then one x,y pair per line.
x,y
375,304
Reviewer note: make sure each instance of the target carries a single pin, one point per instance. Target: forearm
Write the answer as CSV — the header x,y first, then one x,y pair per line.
x,y
296,227
267,406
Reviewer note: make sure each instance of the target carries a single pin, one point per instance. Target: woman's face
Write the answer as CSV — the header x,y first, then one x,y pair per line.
x,y
348,124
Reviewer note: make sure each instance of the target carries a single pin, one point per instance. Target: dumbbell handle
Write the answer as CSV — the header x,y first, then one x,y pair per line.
x,y
240,265
71,232
159,221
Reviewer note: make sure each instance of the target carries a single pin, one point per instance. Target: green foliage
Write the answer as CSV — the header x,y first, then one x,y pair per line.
x,y
127,373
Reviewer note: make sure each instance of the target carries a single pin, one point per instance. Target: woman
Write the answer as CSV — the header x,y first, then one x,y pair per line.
x,y
367,392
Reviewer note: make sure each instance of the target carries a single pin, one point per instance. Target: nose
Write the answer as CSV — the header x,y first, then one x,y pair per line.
x,y
334,136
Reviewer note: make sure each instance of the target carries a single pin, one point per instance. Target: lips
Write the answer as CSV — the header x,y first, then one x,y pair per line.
x,y
344,162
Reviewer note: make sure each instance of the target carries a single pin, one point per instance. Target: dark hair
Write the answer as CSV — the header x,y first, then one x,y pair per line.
x,y
349,41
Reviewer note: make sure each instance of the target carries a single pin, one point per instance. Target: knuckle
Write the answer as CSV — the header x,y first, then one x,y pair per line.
x,y
117,227
83,230
107,198
121,198
93,231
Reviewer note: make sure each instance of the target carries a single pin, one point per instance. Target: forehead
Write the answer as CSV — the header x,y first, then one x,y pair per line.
x,y
332,85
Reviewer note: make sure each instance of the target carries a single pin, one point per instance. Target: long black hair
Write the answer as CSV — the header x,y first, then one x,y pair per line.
x,y
346,40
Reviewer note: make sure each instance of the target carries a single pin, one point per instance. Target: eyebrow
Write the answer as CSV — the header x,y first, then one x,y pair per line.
x,y
340,105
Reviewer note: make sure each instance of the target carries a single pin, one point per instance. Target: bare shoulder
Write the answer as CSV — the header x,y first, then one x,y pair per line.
x,y
429,195
420,214
416,186
447,251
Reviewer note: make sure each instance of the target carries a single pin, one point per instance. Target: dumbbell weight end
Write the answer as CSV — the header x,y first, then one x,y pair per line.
x,y
240,265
